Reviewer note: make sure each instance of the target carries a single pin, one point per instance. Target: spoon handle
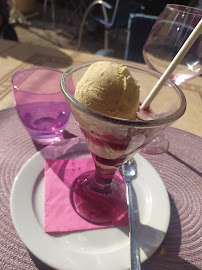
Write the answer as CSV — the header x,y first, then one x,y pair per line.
x,y
134,252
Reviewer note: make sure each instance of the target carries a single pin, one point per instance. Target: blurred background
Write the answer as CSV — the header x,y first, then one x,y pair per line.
x,y
57,23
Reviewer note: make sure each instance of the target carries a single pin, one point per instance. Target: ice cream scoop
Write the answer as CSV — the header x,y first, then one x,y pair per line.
x,y
109,88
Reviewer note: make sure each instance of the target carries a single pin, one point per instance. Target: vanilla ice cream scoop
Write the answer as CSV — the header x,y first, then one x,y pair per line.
x,y
109,88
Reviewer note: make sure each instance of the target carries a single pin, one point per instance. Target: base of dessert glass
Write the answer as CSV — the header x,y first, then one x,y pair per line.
x,y
99,203
159,145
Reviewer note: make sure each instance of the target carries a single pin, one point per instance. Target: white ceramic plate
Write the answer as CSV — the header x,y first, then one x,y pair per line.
x,y
102,249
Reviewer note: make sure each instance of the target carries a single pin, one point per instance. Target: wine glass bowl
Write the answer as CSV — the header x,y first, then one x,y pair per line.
x,y
172,28
167,36
99,195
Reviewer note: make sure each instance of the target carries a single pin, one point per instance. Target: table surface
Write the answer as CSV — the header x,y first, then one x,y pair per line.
x,y
179,168
17,56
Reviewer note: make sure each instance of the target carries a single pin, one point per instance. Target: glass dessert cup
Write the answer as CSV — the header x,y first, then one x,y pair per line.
x,y
99,196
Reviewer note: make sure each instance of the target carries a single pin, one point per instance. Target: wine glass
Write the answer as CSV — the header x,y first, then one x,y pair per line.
x,y
169,33
98,196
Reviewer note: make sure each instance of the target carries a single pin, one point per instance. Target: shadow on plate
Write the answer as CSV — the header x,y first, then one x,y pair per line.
x,y
39,264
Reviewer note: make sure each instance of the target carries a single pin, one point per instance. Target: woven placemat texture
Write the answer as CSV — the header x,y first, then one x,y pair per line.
x,y
180,168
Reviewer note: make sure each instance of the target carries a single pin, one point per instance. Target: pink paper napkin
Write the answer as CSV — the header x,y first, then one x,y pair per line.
x,y
59,213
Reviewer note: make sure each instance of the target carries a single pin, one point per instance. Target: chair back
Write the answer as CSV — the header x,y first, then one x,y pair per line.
x,y
122,9
139,27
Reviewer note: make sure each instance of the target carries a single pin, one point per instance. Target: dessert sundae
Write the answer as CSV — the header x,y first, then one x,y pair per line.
x,y
104,99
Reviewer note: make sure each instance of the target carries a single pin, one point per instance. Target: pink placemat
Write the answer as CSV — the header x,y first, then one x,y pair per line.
x,y
180,168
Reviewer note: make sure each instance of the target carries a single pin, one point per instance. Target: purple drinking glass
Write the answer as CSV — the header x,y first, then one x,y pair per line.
x,y
40,104
99,196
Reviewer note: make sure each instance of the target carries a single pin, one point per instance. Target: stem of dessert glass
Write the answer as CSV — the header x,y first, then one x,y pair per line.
x,y
104,176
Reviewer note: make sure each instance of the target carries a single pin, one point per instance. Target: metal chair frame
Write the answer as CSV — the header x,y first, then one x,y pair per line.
x,y
108,24
52,10
150,18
